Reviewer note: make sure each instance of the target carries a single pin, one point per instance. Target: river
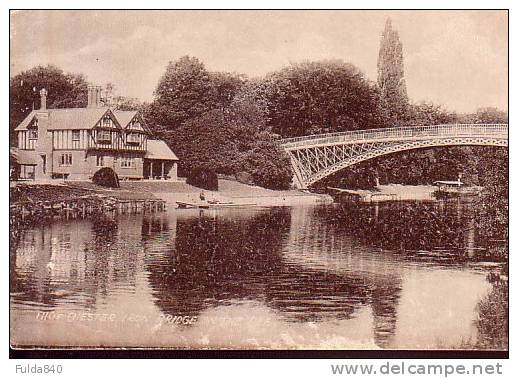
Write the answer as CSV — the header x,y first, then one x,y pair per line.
x,y
392,276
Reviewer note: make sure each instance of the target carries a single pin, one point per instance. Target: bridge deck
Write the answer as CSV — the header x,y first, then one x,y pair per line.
x,y
398,133
314,157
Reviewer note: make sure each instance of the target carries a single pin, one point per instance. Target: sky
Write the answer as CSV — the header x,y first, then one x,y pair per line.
x,y
457,59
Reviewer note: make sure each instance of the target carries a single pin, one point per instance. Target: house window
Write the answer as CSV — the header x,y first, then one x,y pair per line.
x,y
104,136
127,162
100,160
133,138
65,159
107,122
33,133
76,135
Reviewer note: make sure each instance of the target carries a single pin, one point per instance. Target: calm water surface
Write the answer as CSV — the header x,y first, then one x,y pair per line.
x,y
299,277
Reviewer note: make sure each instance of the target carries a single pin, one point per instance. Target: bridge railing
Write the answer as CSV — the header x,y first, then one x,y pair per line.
x,y
407,132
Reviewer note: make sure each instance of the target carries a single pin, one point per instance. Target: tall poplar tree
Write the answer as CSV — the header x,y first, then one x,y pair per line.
x,y
391,80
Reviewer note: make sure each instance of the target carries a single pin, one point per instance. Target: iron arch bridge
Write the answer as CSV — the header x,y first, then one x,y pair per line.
x,y
314,157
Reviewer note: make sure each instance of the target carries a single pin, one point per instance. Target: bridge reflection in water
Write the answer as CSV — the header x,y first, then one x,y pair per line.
x,y
297,263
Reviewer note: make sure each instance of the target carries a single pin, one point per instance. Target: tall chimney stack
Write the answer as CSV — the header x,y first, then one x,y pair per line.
x,y
43,97
91,99
99,95
94,96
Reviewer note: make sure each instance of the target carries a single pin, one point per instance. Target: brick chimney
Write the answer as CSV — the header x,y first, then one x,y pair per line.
x,y
91,98
94,96
43,97
99,96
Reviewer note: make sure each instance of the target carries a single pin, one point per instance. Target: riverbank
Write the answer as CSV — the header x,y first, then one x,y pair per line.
x,y
59,191
169,191
33,202
229,191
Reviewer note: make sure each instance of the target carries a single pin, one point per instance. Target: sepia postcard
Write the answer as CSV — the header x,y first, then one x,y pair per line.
x,y
259,180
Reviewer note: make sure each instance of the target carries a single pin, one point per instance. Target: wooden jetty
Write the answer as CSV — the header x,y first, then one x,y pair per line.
x,y
83,206
362,195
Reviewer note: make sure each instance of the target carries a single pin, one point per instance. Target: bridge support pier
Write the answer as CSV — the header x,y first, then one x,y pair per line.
x,y
298,184
297,181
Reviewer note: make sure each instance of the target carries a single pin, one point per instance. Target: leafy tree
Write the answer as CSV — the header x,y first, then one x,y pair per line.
x,y
65,90
391,79
202,177
493,169
267,165
320,97
490,115
117,101
187,90
226,85
127,103
207,140
427,113
183,92
231,141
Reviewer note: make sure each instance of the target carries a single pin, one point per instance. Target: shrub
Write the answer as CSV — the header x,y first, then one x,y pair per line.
x,y
268,166
202,177
493,317
106,177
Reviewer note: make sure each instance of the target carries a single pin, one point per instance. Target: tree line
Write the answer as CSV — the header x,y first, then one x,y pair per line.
x,y
228,123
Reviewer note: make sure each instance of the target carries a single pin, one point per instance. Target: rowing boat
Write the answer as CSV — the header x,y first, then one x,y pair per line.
x,y
211,205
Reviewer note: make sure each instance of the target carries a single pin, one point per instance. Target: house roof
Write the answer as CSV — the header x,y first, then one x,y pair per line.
x,y
159,150
27,120
67,119
24,157
125,116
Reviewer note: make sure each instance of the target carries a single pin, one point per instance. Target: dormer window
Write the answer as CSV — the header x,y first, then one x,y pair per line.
x,y
33,133
107,122
33,129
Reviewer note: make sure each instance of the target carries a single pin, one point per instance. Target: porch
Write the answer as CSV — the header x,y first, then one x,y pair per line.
x,y
160,162
155,169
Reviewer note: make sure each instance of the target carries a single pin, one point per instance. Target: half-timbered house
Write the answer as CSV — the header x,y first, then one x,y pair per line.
x,y
74,143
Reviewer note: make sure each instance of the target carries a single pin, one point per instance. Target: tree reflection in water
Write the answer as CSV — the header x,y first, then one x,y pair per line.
x,y
306,264
447,228
217,261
